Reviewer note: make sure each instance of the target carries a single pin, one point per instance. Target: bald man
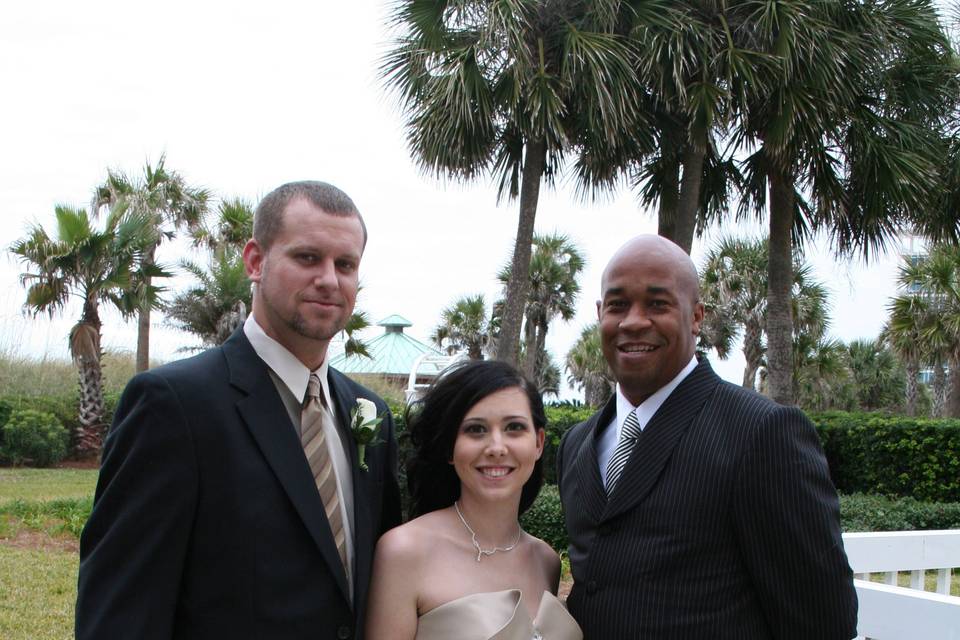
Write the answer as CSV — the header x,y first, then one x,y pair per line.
x,y
695,508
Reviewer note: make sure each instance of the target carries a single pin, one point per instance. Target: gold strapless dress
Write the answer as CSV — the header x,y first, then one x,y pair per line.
x,y
498,615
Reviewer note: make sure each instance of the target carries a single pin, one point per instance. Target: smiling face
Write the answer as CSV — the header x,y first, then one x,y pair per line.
x,y
649,315
306,279
497,446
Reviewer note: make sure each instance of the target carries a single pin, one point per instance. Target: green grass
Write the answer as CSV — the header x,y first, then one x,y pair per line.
x,y
46,484
38,587
929,581
37,593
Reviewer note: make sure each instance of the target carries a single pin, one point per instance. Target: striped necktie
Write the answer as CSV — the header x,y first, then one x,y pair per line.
x,y
628,438
314,441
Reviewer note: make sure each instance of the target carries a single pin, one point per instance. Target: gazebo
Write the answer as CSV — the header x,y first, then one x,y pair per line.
x,y
397,357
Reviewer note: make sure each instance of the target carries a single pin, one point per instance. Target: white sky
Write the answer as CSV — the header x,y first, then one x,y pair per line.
x,y
243,96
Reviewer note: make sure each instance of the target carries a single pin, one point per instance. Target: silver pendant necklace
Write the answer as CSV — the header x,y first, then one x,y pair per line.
x,y
476,544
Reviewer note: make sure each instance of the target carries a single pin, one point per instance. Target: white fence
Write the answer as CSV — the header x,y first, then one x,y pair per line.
x,y
890,612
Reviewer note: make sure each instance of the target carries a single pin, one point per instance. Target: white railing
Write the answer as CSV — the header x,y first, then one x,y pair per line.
x,y
890,612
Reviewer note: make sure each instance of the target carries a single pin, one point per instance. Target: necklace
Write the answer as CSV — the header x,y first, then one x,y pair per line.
x,y
476,544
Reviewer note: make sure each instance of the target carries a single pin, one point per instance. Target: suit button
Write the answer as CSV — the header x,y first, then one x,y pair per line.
x,y
592,586
344,632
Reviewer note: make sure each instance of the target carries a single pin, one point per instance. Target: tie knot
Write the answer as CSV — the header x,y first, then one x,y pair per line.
x,y
314,388
631,426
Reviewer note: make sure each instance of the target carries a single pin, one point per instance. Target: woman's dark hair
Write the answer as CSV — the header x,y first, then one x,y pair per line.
x,y
433,423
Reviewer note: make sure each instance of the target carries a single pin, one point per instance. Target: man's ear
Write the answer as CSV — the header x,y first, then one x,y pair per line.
x,y
697,317
253,256
598,310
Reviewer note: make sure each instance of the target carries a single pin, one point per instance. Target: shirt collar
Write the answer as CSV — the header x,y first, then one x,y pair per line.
x,y
648,407
293,373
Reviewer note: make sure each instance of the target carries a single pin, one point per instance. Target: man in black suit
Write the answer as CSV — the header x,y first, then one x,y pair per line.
x,y
231,501
695,508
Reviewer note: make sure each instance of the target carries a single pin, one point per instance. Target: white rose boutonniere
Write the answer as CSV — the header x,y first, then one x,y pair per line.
x,y
364,425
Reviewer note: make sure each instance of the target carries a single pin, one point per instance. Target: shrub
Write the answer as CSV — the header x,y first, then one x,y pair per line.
x,y
861,512
892,455
560,418
63,407
544,518
34,437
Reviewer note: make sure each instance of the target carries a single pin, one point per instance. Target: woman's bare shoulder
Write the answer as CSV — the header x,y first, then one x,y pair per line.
x,y
412,540
547,558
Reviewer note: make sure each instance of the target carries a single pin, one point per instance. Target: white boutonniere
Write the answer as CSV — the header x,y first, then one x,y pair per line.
x,y
364,424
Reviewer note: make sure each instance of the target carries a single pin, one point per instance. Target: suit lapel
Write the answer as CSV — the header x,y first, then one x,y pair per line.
x,y
585,462
659,439
266,418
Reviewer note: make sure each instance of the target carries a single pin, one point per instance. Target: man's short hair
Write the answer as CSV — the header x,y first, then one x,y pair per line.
x,y
268,218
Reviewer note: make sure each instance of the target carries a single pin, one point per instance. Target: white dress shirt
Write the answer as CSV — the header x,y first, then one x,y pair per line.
x,y
611,435
291,377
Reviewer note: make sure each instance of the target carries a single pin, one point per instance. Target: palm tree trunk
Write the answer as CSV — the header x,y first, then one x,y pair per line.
x,y
143,320
913,370
85,351
939,389
143,339
530,345
686,220
519,283
752,353
779,284
669,197
953,390
540,347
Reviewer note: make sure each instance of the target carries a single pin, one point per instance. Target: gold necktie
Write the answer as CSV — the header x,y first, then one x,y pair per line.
x,y
317,450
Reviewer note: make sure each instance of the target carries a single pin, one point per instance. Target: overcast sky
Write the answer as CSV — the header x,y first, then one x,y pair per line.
x,y
243,96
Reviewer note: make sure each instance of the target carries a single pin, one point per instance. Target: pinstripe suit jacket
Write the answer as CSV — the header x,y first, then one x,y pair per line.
x,y
723,525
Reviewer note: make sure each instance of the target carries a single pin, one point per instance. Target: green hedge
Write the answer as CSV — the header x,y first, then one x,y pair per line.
x,y
544,518
881,513
892,455
857,513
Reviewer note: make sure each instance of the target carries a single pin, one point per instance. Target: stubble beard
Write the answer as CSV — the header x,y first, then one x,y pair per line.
x,y
301,327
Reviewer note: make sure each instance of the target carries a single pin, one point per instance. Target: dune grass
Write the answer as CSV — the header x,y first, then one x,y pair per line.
x,y
27,376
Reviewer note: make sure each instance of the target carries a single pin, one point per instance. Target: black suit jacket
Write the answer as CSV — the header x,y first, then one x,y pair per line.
x,y
724,524
207,522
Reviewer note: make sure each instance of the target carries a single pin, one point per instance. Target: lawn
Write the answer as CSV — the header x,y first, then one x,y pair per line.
x,y
38,588
41,514
46,484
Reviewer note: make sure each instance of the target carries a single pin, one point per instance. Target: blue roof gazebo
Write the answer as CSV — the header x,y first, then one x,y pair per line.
x,y
397,356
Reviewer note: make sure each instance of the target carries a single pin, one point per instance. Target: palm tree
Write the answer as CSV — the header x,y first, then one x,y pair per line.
x,y
903,332
169,202
699,65
218,303
510,88
877,375
464,325
843,121
822,377
587,369
555,265
734,292
95,266
935,305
